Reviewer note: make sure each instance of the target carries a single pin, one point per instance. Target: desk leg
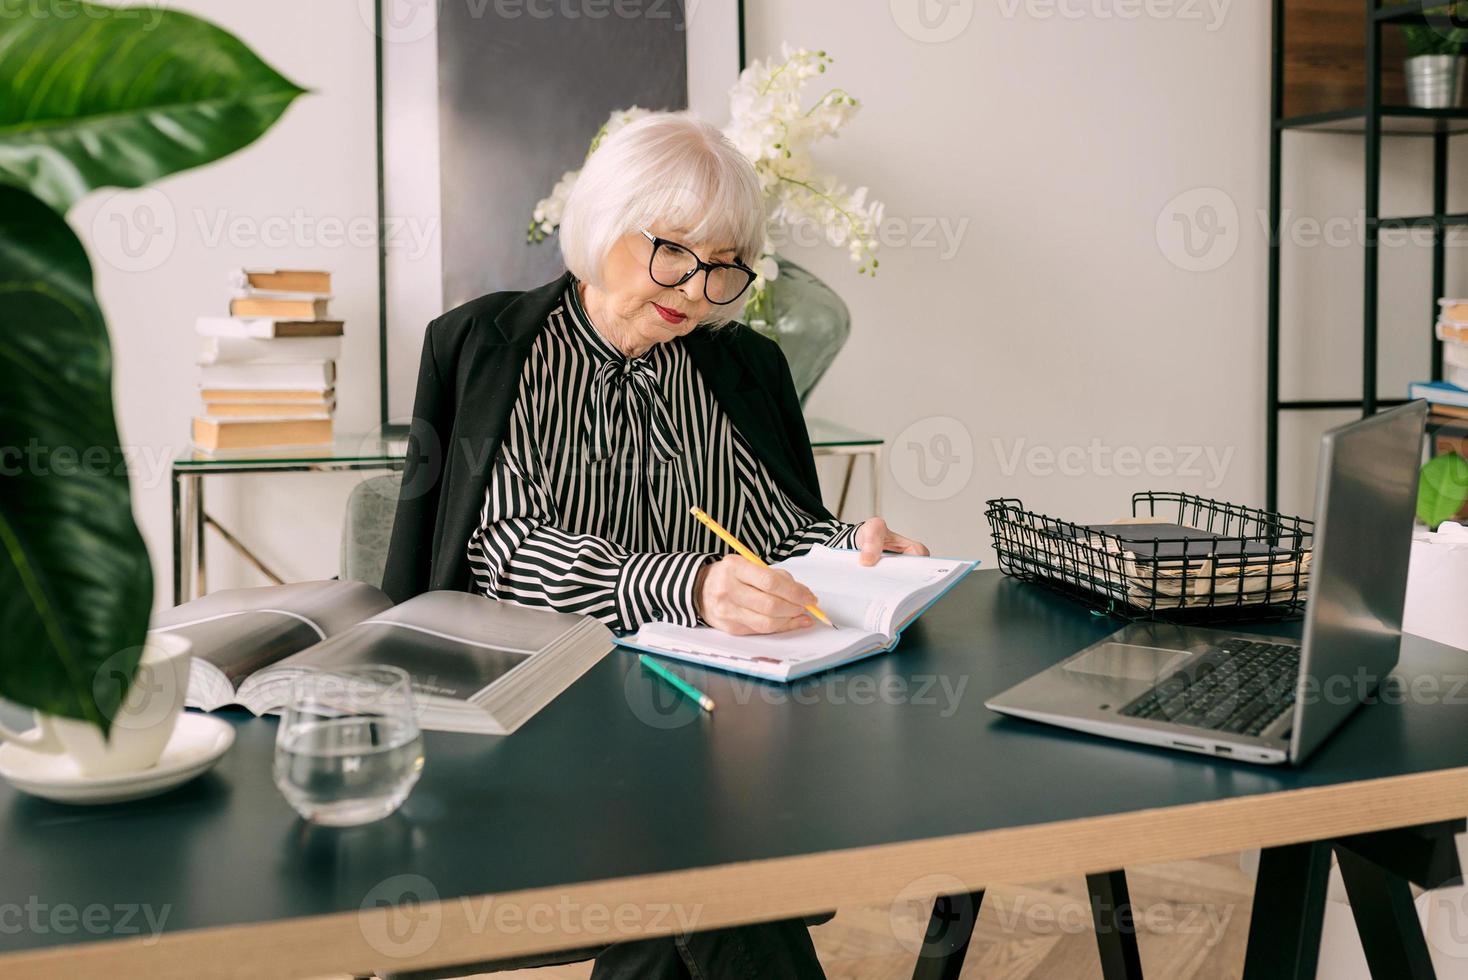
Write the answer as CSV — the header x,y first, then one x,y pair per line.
x,y
1289,910
1386,919
1116,928
950,928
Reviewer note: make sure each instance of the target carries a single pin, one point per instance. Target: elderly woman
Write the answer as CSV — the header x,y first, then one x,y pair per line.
x,y
578,422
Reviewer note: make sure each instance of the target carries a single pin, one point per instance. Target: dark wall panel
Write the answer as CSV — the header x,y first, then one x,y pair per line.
x,y
522,88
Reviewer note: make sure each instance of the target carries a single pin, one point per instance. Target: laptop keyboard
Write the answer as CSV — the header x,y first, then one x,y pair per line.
x,y
1239,686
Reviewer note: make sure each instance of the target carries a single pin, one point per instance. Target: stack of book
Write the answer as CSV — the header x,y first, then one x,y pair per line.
x,y
1452,331
267,373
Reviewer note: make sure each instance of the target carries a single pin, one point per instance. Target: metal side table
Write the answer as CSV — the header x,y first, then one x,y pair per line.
x,y
190,518
370,453
832,439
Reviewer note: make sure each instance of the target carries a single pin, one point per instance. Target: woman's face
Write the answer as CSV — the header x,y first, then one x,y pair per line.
x,y
648,313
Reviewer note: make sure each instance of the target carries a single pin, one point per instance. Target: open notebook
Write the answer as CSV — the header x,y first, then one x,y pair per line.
x,y
870,606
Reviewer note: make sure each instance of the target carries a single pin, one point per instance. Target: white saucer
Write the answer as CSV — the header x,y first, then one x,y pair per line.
x,y
197,743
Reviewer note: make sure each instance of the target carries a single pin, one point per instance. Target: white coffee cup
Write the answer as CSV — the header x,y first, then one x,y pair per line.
x,y
141,727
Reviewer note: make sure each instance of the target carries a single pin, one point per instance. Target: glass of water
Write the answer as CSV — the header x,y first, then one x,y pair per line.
x,y
348,749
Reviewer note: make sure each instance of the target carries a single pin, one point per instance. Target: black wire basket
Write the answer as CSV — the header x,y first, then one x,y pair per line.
x,y
1233,563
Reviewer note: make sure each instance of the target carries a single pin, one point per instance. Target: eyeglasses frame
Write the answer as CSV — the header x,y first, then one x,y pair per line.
x,y
699,266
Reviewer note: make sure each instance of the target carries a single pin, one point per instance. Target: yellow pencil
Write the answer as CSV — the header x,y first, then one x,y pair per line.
x,y
744,552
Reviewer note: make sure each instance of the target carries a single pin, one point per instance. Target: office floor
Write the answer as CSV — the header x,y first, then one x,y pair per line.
x,y
1193,918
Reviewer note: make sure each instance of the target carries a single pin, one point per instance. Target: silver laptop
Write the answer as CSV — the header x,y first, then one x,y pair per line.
x,y
1259,698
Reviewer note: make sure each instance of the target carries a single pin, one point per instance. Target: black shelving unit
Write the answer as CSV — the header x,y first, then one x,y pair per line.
x,y
1374,121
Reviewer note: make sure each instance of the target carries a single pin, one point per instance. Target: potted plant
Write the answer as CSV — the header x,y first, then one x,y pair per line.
x,y
127,95
1434,67
1442,491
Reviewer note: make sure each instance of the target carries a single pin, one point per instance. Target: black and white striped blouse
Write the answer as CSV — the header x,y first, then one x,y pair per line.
x,y
587,505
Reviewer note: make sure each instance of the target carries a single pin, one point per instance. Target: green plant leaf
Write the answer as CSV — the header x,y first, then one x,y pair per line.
x,y
1442,489
75,583
94,96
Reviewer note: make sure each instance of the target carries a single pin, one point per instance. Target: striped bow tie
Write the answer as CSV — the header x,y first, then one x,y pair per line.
x,y
622,393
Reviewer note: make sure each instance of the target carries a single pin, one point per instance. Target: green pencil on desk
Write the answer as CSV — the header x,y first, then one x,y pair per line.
x,y
704,701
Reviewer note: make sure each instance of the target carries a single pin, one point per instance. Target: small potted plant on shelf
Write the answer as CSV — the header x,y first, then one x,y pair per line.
x,y
1435,60
1442,492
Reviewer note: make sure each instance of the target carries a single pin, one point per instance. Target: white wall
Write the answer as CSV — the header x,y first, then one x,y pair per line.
x,y
1038,329
303,196
1069,140
1058,325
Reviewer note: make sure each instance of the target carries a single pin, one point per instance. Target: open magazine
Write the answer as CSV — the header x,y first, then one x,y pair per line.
x,y
870,606
477,665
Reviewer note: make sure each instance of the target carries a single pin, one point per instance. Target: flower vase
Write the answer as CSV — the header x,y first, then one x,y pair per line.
x,y
806,318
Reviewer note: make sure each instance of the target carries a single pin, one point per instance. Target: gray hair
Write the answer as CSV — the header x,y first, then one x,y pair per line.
x,y
669,168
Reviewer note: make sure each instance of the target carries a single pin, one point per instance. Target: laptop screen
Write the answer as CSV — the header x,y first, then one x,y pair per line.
x,y
1364,510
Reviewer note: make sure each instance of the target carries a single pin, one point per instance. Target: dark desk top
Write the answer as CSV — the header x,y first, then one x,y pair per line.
x,y
617,778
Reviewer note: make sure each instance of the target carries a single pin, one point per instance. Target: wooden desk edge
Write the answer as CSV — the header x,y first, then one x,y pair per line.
x,y
467,929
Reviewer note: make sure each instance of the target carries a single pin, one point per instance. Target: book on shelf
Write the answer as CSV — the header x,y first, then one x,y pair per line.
x,y
212,433
248,350
1451,442
282,281
267,394
1439,393
265,328
1455,353
1453,310
1450,411
266,409
301,376
869,605
476,664
280,307
1455,375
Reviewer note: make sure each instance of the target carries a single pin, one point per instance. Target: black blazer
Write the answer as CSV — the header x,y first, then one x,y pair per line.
x,y
468,380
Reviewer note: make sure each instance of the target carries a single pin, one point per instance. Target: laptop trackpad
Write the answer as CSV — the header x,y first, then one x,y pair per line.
x,y
1127,661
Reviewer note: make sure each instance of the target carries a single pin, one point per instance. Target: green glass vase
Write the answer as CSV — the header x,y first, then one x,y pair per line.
x,y
806,318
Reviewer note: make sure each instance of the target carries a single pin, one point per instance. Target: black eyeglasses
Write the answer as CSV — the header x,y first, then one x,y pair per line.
x,y
672,264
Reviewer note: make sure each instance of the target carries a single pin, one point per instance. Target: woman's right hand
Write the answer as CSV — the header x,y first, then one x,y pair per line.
x,y
739,597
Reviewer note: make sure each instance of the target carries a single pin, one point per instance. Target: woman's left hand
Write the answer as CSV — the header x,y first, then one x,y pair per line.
x,y
875,537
